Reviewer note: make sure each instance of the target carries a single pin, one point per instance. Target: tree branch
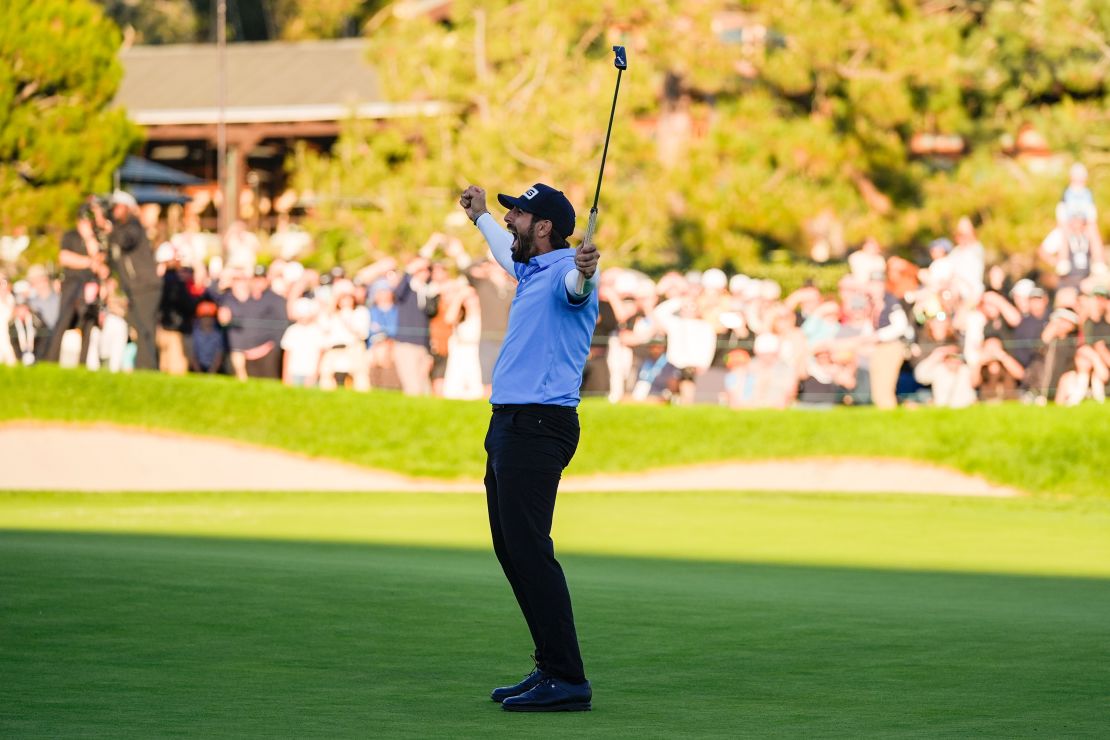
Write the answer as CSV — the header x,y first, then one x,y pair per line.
x,y
526,159
27,91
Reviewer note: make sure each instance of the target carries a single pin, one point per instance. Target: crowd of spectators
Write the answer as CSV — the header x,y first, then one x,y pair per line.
x,y
951,331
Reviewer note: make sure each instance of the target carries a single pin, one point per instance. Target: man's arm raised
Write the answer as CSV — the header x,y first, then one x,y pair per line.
x,y
500,241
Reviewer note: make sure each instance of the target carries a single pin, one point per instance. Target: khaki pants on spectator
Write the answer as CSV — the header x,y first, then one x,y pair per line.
x,y
171,351
413,363
239,364
619,360
886,362
352,360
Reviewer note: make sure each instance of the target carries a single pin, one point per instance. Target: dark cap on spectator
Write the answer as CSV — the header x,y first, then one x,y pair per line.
x,y
547,203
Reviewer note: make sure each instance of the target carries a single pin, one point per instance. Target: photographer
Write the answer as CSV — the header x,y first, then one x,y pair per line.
x,y
82,258
132,259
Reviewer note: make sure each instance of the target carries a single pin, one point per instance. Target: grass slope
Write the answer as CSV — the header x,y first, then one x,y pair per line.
x,y
128,636
1041,450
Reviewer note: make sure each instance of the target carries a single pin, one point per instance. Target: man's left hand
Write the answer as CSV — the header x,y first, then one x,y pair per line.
x,y
585,259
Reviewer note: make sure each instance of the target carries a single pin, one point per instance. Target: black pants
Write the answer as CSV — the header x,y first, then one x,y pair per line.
x,y
142,315
266,366
73,312
527,448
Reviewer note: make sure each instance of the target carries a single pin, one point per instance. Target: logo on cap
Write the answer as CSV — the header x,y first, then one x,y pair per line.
x,y
531,193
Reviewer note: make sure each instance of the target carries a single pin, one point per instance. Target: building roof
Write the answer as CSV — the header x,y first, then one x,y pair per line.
x,y
266,82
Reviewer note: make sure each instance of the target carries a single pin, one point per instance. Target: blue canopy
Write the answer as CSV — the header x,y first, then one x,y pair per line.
x,y
139,170
154,194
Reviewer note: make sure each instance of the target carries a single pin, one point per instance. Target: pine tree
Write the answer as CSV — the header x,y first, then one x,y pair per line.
x,y
59,140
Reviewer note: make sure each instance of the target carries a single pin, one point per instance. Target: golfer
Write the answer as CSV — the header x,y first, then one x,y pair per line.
x,y
533,432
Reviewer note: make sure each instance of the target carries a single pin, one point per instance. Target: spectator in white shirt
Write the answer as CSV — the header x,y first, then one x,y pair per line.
x,y
867,260
949,376
1074,250
968,260
303,345
691,340
346,329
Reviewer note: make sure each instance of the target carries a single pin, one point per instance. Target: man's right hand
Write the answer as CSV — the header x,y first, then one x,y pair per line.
x,y
473,201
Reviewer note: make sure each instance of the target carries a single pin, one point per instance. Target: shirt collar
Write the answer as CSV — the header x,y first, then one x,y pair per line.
x,y
541,262
550,258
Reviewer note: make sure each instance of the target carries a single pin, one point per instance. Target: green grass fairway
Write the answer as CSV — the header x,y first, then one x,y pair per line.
x,y
806,616
138,636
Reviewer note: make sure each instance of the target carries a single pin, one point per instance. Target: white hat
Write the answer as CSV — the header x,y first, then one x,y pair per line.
x,y
766,344
714,279
292,272
738,283
1022,288
304,308
165,253
769,290
626,283
123,198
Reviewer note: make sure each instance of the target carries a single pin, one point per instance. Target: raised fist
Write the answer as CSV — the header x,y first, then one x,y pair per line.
x,y
473,201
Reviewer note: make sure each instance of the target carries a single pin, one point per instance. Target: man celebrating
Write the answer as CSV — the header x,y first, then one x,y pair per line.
x,y
534,430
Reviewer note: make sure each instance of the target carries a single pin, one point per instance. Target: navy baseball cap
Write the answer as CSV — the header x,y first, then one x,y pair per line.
x,y
547,203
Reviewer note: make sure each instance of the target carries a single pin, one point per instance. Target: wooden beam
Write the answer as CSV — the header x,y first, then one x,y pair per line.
x,y
244,132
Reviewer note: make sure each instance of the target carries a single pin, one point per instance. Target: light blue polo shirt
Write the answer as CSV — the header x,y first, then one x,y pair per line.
x,y
548,338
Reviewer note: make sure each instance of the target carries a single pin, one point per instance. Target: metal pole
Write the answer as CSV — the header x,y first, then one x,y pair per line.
x,y
221,128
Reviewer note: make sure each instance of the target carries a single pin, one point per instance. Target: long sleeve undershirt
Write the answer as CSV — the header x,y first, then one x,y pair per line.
x,y
500,243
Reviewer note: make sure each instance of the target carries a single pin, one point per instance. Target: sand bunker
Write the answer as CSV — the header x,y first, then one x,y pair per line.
x,y
66,457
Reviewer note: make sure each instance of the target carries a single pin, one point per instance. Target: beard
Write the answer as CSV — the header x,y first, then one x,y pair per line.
x,y
524,244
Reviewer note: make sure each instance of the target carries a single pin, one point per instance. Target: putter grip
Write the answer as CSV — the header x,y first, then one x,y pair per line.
x,y
587,239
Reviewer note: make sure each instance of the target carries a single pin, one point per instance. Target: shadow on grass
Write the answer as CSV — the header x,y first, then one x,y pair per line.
x,y
142,636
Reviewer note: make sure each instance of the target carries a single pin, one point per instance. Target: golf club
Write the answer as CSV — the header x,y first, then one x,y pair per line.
x,y
620,61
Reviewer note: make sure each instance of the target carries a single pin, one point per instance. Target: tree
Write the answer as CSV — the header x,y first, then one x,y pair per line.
x,y
193,21
790,125
155,21
518,107
59,141
321,19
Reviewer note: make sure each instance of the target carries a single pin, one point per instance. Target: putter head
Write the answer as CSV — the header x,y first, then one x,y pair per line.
x,y
620,60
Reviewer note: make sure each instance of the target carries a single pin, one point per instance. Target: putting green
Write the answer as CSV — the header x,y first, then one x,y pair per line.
x,y
701,615
139,636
